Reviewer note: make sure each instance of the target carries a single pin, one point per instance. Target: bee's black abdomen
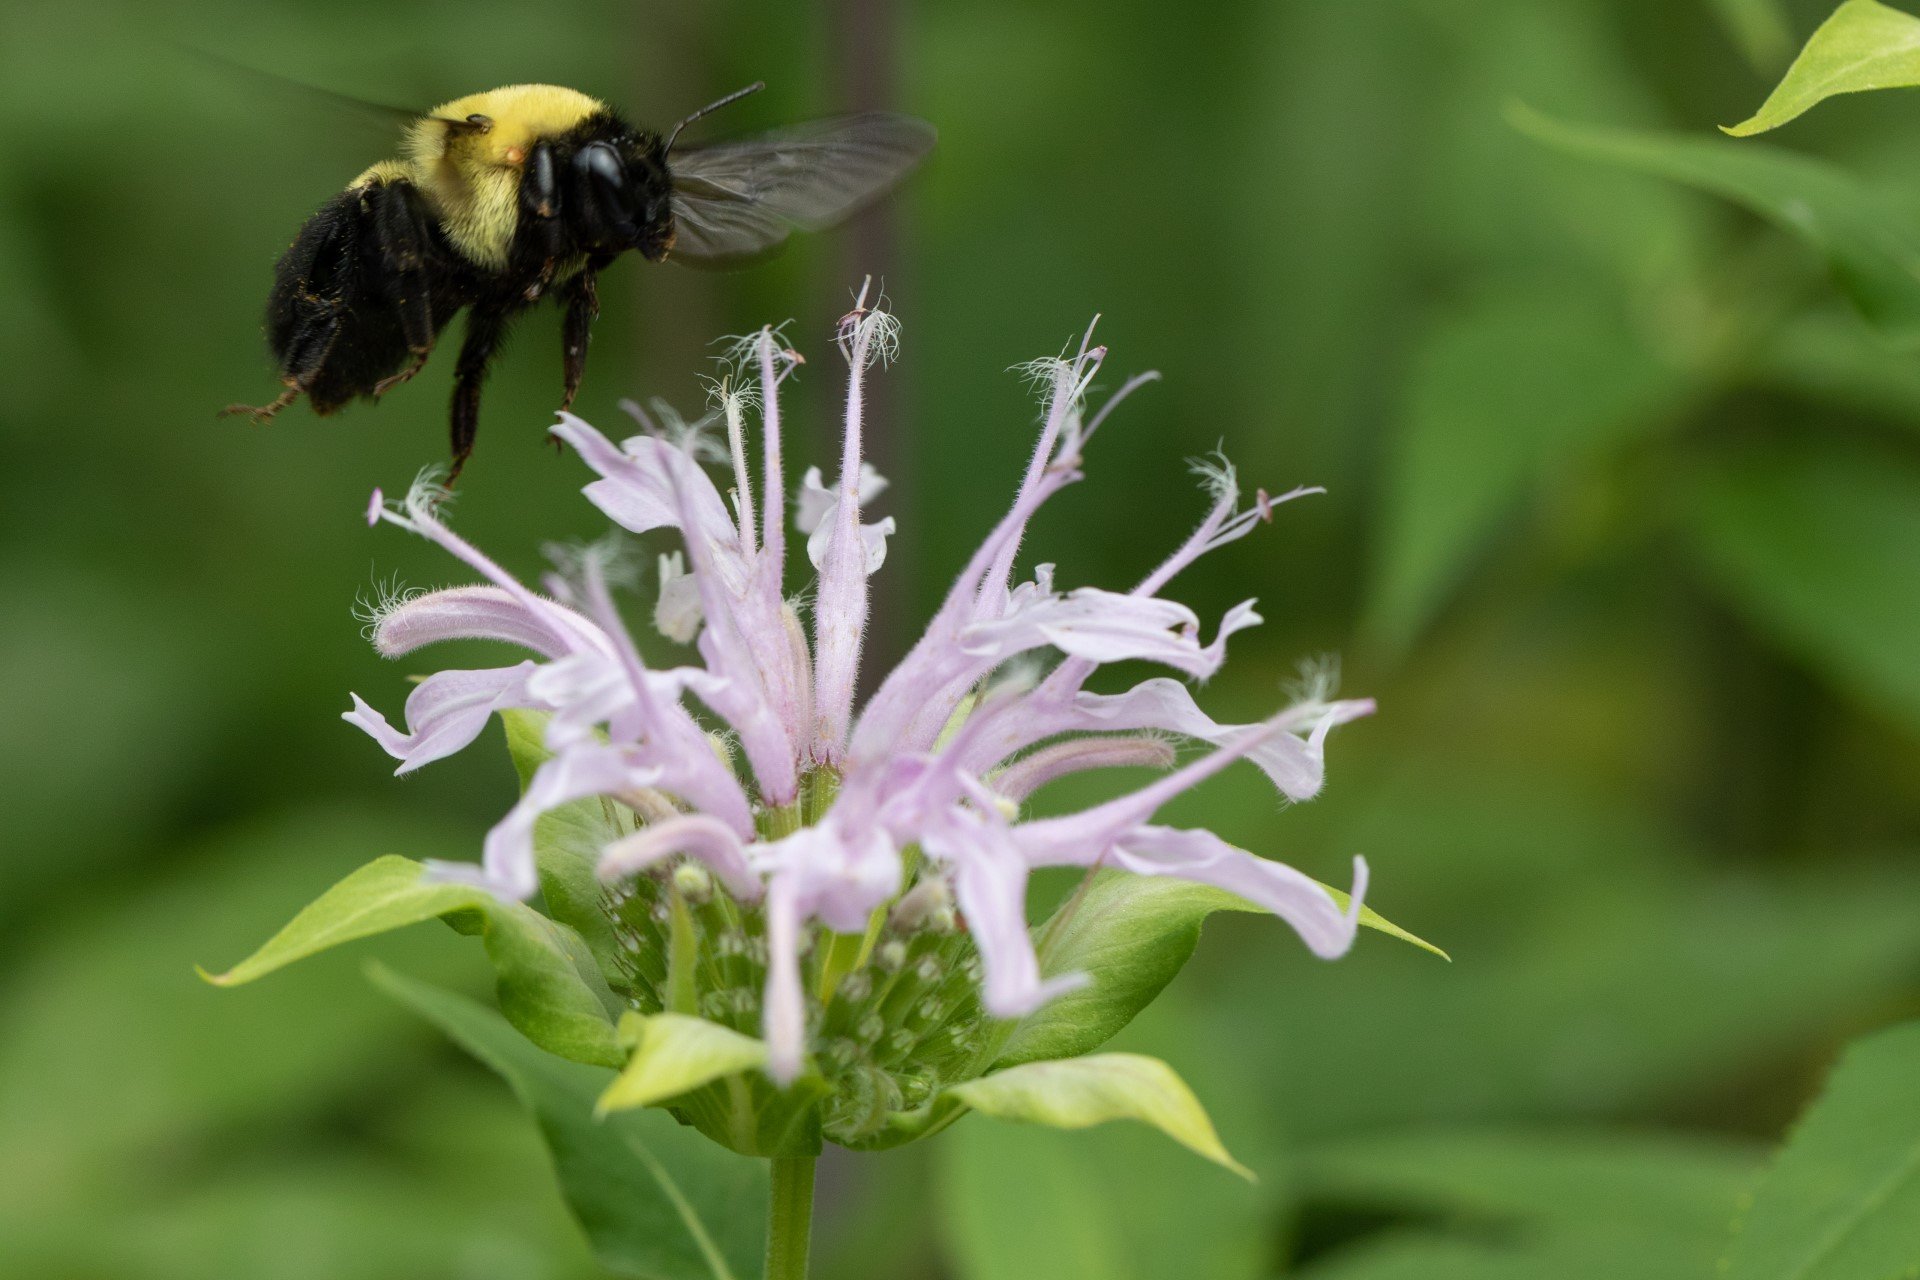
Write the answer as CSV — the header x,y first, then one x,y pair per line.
x,y
362,291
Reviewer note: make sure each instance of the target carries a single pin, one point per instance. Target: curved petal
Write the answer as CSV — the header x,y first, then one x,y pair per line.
x,y
990,881
479,613
1204,857
445,712
507,864
707,839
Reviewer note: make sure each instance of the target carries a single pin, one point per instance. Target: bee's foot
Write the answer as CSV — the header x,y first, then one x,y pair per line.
x,y
262,414
387,384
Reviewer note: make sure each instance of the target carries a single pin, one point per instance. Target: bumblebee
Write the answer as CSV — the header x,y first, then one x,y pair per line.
x,y
500,199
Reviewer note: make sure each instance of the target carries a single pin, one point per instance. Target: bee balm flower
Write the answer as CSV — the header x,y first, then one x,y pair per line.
x,y
858,878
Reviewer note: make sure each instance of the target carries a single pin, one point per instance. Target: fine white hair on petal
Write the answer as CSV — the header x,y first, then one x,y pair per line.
x,y
1218,476
1043,373
1316,680
428,496
389,593
868,336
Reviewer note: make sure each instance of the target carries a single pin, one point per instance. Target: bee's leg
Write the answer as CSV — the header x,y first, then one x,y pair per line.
x,y
262,414
486,325
400,233
540,217
581,297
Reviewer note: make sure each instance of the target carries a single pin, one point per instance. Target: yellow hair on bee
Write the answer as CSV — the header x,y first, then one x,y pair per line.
x,y
471,174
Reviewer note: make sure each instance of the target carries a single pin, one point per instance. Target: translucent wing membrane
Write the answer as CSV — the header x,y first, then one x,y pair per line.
x,y
736,199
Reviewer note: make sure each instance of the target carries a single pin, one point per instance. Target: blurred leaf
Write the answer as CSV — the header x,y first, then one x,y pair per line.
x,y
1130,934
323,1217
1680,1192
1863,45
1818,543
550,988
1414,1257
1836,359
1076,1093
1864,239
657,1200
1018,1202
1520,383
1759,27
674,1054
78,1110
1549,1012
1842,1202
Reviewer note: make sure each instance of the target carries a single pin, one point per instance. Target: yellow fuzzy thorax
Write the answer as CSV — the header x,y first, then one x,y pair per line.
x,y
472,176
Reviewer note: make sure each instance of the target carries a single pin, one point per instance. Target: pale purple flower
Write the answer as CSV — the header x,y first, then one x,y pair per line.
x,y
939,759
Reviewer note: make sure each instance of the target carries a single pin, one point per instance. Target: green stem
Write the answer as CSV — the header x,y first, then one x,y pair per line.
x,y
789,1217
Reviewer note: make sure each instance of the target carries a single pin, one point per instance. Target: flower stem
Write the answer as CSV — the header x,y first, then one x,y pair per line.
x,y
789,1217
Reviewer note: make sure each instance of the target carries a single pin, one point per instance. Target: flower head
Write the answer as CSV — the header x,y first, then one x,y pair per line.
x,y
860,874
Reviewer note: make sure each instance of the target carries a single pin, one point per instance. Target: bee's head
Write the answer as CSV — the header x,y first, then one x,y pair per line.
x,y
616,193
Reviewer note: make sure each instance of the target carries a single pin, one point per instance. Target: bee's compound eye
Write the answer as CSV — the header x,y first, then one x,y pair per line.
x,y
607,204
601,163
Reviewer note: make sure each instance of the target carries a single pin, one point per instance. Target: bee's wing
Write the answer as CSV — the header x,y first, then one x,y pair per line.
x,y
737,199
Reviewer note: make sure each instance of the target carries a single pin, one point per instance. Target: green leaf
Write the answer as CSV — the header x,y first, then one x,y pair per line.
x,y
1818,544
1865,241
1131,935
1843,1200
656,1199
1075,1093
549,986
675,1054
1864,45
1679,1191
1520,384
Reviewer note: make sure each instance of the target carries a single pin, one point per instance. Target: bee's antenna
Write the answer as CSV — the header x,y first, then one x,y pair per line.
x,y
712,107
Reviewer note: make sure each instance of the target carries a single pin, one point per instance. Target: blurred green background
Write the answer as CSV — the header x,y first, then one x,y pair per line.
x,y
1623,532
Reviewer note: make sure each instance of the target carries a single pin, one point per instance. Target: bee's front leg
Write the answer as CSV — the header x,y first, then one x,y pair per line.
x,y
581,297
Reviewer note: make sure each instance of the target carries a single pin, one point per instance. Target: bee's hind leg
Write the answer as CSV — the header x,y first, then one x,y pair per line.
x,y
399,230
